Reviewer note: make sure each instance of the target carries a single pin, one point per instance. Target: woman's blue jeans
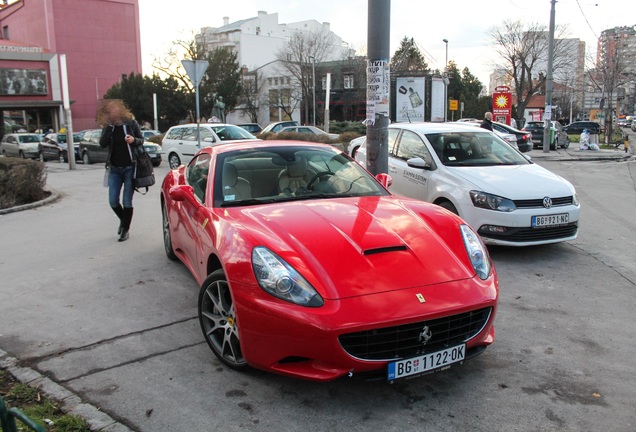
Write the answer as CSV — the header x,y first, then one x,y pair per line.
x,y
120,176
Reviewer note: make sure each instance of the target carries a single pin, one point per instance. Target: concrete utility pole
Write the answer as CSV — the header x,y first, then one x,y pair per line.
x,y
547,115
378,85
70,146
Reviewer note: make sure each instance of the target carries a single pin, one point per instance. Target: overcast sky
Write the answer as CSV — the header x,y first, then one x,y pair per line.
x,y
464,23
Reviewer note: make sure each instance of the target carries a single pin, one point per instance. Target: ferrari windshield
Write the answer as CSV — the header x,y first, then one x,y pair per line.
x,y
286,173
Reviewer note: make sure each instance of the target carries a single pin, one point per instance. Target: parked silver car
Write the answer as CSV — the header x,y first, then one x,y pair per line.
x,y
181,142
23,145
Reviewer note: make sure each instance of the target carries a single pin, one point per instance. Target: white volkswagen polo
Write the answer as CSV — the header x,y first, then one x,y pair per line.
x,y
502,194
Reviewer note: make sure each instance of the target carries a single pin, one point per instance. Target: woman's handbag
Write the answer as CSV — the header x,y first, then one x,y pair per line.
x,y
143,172
106,177
144,175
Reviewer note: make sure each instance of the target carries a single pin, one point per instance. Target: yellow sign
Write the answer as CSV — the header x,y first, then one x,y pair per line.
x,y
453,104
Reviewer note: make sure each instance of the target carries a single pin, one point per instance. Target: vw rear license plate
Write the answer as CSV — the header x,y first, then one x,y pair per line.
x,y
426,363
550,220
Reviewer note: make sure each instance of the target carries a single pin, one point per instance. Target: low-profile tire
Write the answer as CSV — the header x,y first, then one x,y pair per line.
x,y
174,161
218,321
167,237
449,206
86,158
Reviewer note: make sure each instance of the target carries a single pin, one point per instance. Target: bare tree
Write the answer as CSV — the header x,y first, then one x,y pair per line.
x,y
610,77
251,95
524,49
221,83
297,56
170,63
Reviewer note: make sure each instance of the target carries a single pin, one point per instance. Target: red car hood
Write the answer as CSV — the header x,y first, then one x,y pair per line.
x,y
350,247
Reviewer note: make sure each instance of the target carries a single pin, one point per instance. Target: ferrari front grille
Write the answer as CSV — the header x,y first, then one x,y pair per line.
x,y
391,343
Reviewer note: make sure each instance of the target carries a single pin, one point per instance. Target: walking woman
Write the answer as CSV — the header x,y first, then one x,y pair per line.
x,y
122,135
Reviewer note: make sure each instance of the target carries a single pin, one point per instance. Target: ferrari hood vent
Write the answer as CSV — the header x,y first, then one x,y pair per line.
x,y
384,249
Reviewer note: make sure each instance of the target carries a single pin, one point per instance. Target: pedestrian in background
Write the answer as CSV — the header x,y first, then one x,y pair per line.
x,y
487,123
122,135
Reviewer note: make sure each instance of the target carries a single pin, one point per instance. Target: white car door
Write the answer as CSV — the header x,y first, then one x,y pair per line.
x,y
409,181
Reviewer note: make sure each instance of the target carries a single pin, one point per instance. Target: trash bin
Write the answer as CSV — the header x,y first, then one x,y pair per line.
x,y
551,136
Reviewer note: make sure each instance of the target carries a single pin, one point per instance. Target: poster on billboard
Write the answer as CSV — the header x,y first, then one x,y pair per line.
x,y
437,100
502,105
23,82
378,86
410,99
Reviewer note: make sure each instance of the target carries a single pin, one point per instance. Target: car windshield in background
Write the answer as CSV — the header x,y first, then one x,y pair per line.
x,y
290,173
29,138
231,133
473,149
62,138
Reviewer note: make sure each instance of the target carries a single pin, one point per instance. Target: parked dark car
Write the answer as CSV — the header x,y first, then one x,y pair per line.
x,y
93,153
253,128
577,127
559,137
524,138
54,146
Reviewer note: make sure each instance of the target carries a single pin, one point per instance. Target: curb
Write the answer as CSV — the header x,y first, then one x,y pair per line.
x,y
70,402
55,195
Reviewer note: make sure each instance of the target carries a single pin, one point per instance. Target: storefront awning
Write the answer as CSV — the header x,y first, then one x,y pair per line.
x,y
25,105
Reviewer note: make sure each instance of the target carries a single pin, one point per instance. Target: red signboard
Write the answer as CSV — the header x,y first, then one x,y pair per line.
x,y
502,104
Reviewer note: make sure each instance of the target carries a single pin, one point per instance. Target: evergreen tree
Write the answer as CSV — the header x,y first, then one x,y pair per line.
x,y
408,60
137,92
222,84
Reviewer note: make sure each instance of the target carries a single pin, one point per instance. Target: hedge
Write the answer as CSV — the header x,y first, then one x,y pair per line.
x,y
22,181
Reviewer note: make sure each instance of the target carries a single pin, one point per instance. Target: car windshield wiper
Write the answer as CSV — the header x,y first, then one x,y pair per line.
x,y
247,202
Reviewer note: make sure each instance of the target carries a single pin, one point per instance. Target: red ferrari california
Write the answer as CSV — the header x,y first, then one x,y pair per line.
x,y
310,268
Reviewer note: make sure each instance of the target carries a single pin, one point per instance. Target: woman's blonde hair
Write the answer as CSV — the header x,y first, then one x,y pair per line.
x,y
113,112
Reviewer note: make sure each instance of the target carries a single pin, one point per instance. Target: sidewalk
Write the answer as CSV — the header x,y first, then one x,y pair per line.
x,y
572,153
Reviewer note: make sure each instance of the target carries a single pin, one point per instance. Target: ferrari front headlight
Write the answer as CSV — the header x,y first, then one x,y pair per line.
x,y
477,252
280,279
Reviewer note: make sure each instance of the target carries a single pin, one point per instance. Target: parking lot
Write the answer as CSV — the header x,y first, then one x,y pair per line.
x,y
115,324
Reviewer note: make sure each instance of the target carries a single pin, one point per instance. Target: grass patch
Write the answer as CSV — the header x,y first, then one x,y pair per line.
x,y
40,409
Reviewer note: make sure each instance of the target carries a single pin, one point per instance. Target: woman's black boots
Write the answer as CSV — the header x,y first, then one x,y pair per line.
x,y
119,211
127,214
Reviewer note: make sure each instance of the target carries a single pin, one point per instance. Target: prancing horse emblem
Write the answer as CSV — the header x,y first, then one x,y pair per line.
x,y
425,335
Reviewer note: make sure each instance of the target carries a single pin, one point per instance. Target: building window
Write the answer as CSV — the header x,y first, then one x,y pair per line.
x,y
5,32
348,81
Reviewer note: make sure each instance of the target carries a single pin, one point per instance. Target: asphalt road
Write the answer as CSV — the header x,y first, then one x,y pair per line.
x,y
115,324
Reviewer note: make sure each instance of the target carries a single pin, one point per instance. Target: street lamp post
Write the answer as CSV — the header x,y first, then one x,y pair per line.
x,y
446,83
313,90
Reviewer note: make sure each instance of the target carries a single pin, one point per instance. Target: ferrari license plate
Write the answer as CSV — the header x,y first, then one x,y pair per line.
x,y
426,363
550,220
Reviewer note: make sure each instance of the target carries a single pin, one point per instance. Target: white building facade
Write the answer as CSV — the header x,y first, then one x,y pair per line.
x,y
257,42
